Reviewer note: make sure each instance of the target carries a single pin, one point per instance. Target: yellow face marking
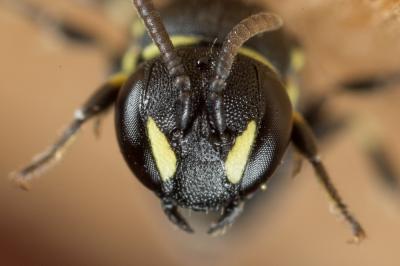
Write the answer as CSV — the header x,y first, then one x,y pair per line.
x,y
151,51
258,57
239,155
163,154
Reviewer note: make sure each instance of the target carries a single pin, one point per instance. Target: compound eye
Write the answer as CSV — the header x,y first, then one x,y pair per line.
x,y
238,156
163,154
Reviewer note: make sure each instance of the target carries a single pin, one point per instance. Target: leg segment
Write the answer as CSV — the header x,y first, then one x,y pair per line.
x,y
35,14
379,157
367,134
371,83
171,210
99,102
228,217
75,32
320,120
325,125
304,140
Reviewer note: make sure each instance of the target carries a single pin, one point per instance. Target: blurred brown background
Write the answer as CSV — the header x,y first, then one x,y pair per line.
x,y
90,210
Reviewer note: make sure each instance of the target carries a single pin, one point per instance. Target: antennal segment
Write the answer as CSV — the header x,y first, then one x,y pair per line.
x,y
160,37
242,32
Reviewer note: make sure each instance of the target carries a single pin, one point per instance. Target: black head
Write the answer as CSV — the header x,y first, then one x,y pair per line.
x,y
203,129
198,168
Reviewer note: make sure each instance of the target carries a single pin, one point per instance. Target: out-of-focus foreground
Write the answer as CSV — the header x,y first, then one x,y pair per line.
x,y
90,210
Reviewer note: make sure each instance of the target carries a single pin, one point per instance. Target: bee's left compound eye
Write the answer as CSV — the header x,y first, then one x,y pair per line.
x,y
239,154
163,154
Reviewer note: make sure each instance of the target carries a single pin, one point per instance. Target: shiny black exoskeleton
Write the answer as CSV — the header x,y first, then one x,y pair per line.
x,y
253,93
203,116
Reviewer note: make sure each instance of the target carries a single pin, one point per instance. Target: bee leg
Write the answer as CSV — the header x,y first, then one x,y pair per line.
x,y
322,122
171,210
99,102
369,84
228,217
37,15
325,125
385,168
74,32
304,140
372,145
366,132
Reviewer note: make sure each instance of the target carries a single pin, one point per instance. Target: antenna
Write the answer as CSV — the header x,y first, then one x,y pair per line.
x,y
173,62
242,32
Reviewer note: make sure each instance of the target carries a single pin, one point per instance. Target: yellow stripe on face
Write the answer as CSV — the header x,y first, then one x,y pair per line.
x,y
163,154
151,51
236,161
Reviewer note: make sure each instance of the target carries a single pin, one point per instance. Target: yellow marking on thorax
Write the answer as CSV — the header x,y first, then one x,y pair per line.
x,y
293,91
238,156
258,57
296,65
162,151
151,51
298,59
137,28
118,79
131,56
130,60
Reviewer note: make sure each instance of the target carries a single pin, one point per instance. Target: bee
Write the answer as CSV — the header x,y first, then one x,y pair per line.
x,y
205,109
